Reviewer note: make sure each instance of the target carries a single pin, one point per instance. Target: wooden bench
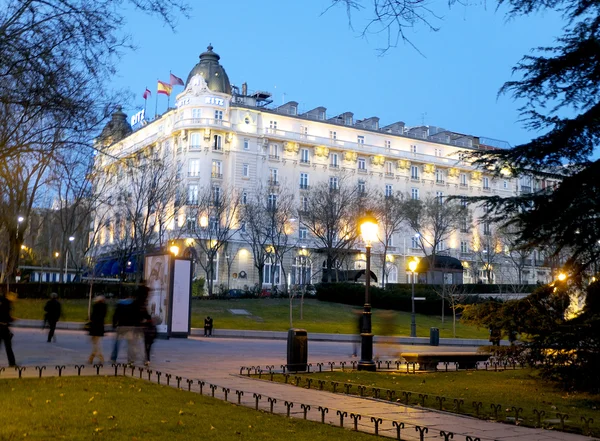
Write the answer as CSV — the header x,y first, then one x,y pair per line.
x,y
428,361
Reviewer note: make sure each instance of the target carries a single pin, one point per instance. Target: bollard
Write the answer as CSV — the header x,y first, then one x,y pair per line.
x,y
342,415
158,374
272,401
398,363
440,400
189,382
226,390
342,363
496,408
320,366
308,366
347,386
538,417
562,417
59,369
376,391
79,367
178,378
132,367
406,396
422,431
587,422
447,435
321,384
355,417
335,384
457,403
354,363
305,408
391,394
257,397
517,411
124,366
298,380
398,426
149,372
283,368
388,364
201,384
309,382
212,389
377,422
39,368
477,405
323,411
289,405
422,398
20,369
141,369
331,365
168,376
240,394
361,389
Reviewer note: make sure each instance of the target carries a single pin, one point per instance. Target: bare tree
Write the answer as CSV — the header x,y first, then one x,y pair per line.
x,y
434,219
390,214
487,249
330,216
217,209
145,187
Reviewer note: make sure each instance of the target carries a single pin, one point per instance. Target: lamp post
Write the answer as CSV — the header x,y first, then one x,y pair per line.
x,y
368,230
71,239
412,265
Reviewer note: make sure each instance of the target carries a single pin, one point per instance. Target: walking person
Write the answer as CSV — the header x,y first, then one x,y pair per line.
x,y
149,337
123,323
96,328
53,311
5,320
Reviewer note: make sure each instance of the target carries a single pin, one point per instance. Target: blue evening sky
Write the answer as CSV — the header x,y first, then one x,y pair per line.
x,y
296,52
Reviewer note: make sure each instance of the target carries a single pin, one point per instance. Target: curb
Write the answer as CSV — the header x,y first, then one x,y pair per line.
x,y
277,335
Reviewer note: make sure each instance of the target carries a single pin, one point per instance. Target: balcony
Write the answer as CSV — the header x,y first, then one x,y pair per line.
x,y
274,182
304,186
487,189
216,175
336,166
274,157
389,174
463,185
193,174
305,161
525,189
362,171
197,123
440,182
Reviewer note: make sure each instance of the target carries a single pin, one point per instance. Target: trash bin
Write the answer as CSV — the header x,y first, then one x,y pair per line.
x,y
297,350
434,337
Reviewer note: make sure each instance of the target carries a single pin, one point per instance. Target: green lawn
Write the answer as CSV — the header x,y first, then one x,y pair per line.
x,y
273,315
521,388
117,408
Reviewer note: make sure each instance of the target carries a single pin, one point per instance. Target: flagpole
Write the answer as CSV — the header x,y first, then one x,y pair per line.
x,y
169,95
156,101
145,100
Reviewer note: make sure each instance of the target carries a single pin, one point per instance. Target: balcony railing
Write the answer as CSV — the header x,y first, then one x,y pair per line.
x,y
274,157
304,186
216,175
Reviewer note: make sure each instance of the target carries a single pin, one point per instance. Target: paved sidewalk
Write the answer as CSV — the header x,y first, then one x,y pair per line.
x,y
216,362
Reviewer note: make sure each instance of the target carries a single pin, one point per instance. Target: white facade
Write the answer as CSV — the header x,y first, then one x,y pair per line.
x,y
217,139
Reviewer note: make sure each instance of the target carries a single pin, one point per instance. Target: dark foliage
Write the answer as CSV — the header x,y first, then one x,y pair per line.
x,y
565,350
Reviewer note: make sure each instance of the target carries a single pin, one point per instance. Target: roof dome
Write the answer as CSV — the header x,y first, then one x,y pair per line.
x,y
213,73
116,129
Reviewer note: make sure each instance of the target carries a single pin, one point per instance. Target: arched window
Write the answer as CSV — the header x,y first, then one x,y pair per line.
x,y
271,272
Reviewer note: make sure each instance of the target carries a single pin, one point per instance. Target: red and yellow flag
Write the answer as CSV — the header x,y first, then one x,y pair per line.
x,y
164,88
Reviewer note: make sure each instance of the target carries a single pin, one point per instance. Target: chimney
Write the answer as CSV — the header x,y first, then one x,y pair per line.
x,y
244,89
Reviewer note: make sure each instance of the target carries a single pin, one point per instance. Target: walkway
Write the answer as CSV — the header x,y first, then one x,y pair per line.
x,y
217,362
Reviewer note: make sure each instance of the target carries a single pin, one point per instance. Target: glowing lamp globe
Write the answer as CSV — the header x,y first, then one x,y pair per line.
x,y
368,228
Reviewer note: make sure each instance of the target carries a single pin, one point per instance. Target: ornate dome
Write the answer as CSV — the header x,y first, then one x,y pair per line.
x,y
116,129
213,73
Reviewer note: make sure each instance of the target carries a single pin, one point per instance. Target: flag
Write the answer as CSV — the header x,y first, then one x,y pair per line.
x,y
175,81
164,88
147,94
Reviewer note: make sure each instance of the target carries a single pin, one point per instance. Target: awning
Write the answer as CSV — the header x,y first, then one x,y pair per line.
x,y
442,263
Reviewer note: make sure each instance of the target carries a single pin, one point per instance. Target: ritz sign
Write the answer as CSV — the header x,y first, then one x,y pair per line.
x,y
214,100
137,119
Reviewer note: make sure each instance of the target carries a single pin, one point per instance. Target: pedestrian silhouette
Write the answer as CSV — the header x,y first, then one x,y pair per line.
x,y
52,314
5,321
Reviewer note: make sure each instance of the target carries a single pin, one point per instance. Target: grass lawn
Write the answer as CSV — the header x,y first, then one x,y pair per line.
x,y
519,388
273,315
117,408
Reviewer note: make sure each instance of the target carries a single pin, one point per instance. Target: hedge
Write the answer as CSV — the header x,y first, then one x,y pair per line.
x,y
36,290
397,297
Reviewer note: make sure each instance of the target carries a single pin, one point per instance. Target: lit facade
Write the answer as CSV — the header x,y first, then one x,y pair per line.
x,y
219,135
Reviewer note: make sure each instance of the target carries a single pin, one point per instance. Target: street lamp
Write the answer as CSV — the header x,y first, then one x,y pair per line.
x,y
412,266
71,239
368,230
174,250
